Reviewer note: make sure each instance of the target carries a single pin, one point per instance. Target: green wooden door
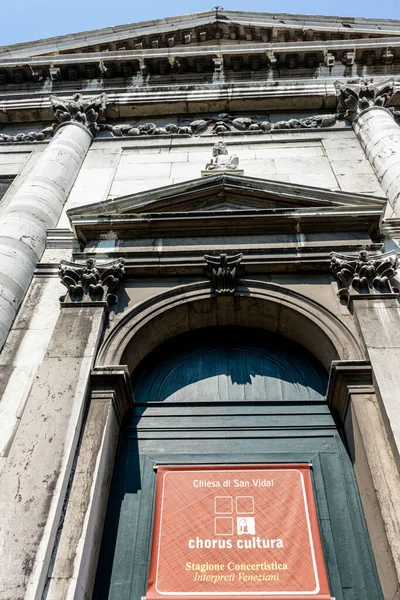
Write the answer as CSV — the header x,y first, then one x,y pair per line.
x,y
232,395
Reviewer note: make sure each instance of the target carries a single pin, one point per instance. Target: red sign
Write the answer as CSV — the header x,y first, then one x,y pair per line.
x,y
243,531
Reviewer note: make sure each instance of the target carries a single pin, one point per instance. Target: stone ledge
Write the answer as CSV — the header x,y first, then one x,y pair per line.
x,y
205,173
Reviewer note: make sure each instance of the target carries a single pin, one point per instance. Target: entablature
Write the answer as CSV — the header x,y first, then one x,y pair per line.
x,y
260,254
234,60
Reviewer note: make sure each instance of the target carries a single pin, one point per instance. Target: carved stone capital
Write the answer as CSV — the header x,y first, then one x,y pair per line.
x,y
353,99
366,274
90,282
88,112
223,271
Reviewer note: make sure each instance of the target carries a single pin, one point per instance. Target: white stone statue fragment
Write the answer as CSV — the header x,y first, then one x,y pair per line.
x,y
221,160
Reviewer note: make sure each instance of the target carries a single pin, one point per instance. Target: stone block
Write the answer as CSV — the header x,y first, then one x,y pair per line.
x,y
123,188
258,167
352,153
76,332
346,139
289,150
347,167
190,170
302,165
361,183
102,158
201,157
278,177
153,171
315,179
132,158
92,185
379,320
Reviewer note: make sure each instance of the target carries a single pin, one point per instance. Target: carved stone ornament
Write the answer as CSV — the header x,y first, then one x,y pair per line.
x,y
223,271
221,159
91,282
88,112
353,99
31,136
365,274
220,124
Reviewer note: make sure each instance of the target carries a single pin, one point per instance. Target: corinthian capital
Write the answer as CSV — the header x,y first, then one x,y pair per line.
x,y
365,273
353,99
88,112
91,282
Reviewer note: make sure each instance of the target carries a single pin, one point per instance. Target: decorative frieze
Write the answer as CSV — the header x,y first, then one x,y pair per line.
x,y
353,99
364,274
219,124
88,112
223,272
31,136
91,282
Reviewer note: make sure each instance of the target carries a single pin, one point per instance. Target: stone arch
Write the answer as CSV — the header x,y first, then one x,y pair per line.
x,y
185,309
256,304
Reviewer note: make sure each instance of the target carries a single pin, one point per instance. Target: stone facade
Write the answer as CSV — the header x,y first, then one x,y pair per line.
x,y
218,169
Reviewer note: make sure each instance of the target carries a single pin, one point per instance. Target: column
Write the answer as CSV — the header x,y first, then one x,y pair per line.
x,y
40,199
365,106
35,478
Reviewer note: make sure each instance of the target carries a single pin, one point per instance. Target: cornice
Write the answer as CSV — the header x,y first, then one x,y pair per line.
x,y
307,257
126,102
210,50
390,228
239,222
232,60
345,26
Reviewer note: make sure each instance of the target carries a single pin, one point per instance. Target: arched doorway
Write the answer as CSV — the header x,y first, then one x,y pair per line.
x,y
232,395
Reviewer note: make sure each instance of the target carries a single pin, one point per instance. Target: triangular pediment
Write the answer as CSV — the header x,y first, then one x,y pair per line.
x,y
226,192
226,204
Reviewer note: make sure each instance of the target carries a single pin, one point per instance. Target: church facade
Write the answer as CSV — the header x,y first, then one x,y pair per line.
x,y
199,242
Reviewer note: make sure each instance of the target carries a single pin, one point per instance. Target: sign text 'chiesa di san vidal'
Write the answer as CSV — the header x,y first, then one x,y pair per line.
x,y
199,311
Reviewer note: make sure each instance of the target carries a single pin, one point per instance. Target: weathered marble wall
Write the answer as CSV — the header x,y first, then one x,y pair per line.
x,y
119,167
331,160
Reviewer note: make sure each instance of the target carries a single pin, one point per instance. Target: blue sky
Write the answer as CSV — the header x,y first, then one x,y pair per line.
x,y
25,20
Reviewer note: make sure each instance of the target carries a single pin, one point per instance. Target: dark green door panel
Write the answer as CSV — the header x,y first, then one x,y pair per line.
x,y
238,365
208,413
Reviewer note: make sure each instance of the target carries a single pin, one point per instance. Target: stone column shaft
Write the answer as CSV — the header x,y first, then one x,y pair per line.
x,y
379,135
36,206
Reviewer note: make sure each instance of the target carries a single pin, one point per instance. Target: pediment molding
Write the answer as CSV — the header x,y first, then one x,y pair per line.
x,y
239,191
222,201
